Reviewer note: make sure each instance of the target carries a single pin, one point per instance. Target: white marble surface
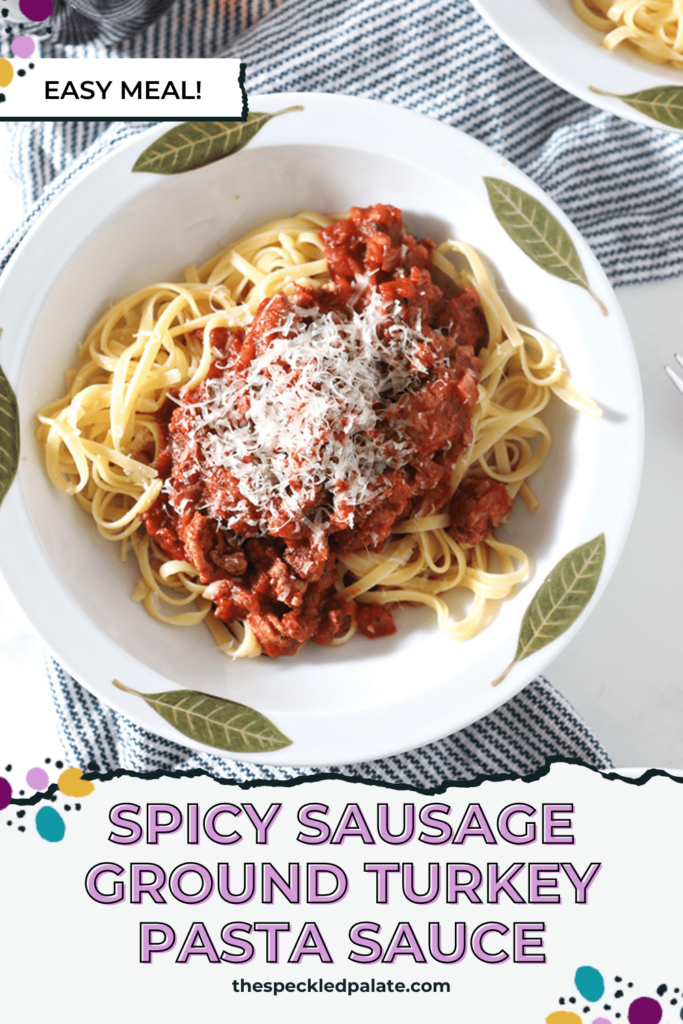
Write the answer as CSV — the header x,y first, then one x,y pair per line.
x,y
624,671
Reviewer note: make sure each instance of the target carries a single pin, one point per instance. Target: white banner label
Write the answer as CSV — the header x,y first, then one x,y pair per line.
x,y
129,88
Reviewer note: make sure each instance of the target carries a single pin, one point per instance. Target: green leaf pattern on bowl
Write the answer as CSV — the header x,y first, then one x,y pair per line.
x,y
215,721
195,144
9,435
537,232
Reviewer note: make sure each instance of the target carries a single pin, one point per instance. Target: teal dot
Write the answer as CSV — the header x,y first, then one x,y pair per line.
x,y
590,983
50,824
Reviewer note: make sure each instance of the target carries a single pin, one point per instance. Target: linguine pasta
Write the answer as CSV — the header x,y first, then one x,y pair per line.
x,y
102,437
653,28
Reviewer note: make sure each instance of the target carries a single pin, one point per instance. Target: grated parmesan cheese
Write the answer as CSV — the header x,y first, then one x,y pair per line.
x,y
303,429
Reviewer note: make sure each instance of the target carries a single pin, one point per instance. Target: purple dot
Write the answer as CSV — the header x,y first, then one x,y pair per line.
x,y
37,778
36,10
5,793
644,1011
23,46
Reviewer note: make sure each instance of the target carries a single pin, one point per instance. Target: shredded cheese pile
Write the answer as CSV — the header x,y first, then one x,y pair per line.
x,y
308,415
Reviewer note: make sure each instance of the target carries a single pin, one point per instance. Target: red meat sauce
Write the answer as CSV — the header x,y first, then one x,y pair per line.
x,y
275,465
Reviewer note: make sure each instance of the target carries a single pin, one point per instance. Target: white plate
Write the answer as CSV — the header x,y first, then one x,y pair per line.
x,y
112,231
554,40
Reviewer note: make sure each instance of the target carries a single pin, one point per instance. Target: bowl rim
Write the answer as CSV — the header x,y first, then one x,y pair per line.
x,y
15,513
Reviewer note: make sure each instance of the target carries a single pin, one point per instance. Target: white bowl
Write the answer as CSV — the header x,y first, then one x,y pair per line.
x,y
112,231
548,35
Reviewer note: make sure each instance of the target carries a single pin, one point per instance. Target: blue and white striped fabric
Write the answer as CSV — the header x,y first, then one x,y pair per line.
x,y
620,183
135,28
437,57
75,22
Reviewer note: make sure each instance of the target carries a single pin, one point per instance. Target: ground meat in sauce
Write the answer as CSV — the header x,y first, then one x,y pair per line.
x,y
278,569
477,508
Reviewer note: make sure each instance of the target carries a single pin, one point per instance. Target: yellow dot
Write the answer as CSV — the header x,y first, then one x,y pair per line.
x,y
6,72
71,783
563,1017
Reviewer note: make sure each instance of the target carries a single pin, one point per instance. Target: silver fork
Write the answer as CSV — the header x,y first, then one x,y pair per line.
x,y
678,381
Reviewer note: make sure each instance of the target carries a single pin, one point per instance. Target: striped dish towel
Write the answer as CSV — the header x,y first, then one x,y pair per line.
x,y
439,58
620,183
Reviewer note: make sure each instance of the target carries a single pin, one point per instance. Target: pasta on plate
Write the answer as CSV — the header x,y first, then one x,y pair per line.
x,y
325,420
653,28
